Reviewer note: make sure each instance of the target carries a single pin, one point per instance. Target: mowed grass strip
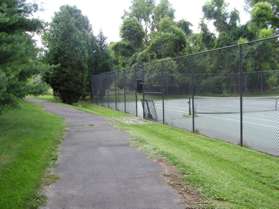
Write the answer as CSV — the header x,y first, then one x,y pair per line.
x,y
227,175
28,140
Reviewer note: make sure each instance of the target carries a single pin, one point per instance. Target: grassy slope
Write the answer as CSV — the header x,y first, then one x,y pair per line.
x,y
228,175
28,138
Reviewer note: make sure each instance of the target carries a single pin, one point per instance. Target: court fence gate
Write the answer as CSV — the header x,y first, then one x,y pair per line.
x,y
229,93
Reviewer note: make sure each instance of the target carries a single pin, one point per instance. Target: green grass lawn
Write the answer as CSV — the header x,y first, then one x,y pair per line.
x,y
28,140
227,175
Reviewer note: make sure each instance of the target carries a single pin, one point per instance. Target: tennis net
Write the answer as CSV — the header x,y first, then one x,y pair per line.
x,y
231,105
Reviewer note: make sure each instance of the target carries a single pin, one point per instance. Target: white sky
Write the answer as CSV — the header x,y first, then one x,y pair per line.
x,y
106,15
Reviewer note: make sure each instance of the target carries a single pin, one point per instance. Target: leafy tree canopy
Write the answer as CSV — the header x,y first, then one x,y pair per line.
x,y
132,32
258,5
102,56
162,10
18,54
185,26
69,42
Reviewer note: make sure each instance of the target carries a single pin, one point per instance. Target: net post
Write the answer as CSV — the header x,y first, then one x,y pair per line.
x,y
241,92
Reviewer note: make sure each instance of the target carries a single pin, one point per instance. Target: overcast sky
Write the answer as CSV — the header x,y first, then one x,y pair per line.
x,y
106,15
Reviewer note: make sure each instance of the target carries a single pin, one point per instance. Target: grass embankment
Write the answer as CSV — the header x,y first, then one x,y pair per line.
x,y
227,175
28,141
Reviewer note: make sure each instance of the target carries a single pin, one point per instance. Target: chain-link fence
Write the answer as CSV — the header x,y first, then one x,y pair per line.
x,y
230,93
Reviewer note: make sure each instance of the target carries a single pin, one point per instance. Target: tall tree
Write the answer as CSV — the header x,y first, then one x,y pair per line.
x,y
132,31
226,22
122,52
262,17
185,26
69,42
168,41
142,10
208,38
18,55
102,57
261,7
163,9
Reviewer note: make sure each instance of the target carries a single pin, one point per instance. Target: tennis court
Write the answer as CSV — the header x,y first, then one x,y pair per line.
x,y
219,117
217,79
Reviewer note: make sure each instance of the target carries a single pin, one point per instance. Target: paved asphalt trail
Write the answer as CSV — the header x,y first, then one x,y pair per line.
x,y
98,170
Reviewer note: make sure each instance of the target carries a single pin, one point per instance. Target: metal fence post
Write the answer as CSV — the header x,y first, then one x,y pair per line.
x,y
115,91
125,107
135,89
241,92
136,95
193,102
143,94
163,86
163,106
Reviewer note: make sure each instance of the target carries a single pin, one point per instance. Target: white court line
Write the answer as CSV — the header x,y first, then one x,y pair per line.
x,y
229,119
245,122
181,110
245,117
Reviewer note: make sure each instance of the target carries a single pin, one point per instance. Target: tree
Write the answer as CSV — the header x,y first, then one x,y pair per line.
x,y
122,51
169,41
142,10
261,17
102,57
226,22
185,26
132,32
132,35
262,7
18,54
69,43
163,9
208,39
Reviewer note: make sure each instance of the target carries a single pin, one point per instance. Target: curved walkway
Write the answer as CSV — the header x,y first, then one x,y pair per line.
x,y
98,169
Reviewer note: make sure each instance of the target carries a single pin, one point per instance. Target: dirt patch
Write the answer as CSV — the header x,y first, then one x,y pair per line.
x,y
191,198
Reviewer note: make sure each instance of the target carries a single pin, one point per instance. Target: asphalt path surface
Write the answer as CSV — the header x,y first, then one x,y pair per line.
x,y
97,168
